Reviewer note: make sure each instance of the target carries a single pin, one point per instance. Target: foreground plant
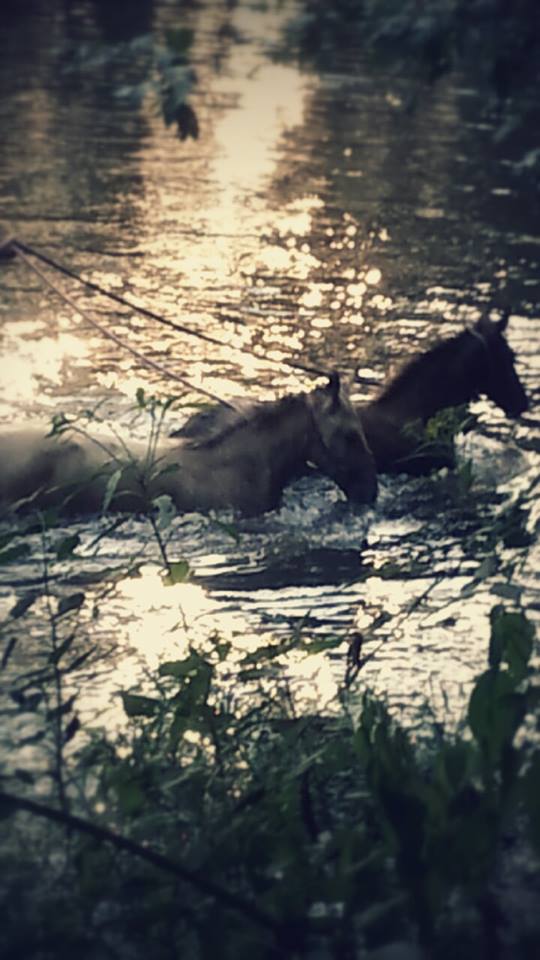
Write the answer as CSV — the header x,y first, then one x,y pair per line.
x,y
221,822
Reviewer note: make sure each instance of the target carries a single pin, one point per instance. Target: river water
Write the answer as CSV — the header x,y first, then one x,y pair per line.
x,y
335,214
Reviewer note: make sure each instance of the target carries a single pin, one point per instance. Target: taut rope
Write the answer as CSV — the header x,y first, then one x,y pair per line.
x,y
23,248
18,248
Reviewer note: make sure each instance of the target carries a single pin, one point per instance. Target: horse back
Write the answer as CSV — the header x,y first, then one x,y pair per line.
x,y
60,471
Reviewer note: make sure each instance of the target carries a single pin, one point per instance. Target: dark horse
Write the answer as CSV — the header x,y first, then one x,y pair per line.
x,y
244,465
476,361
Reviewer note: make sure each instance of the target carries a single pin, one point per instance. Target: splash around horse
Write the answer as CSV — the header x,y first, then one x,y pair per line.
x,y
244,465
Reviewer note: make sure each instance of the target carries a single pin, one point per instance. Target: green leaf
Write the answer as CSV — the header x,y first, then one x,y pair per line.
x,y
487,568
110,489
267,652
73,602
319,644
455,762
10,646
138,706
495,711
166,510
23,604
6,538
180,669
72,728
512,638
178,572
65,547
133,94
14,553
228,528
508,591
57,654
131,798
222,648
140,398
59,424
531,795
166,471
179,40
381,911
64,708
78,662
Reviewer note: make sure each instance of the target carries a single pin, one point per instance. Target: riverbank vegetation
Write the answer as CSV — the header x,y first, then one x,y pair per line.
x,y
215,812
495,44
219,818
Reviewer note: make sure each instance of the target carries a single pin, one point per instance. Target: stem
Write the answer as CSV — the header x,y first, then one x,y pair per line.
x,y
58,726
103,835
160,542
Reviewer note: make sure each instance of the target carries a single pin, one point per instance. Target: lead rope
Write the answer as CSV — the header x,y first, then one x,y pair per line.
x,y
14,244
23,248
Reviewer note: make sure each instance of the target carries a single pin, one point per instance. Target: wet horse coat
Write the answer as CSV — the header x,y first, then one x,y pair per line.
x,y
476,361
244,465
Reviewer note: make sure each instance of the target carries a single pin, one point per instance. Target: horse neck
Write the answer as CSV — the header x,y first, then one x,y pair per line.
x,y
280,437
445,376
277,435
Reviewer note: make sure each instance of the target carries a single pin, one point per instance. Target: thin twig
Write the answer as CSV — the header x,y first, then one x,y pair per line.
x,y
57,675
104,835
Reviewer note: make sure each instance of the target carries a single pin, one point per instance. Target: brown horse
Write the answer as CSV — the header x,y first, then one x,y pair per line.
x,y
244,465
476,361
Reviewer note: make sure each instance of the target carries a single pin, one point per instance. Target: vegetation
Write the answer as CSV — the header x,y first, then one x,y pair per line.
x,y
219,820
220,817
438,34
143,69
496,43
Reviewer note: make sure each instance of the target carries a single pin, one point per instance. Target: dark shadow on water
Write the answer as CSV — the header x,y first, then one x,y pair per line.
x,y
317,566
123,19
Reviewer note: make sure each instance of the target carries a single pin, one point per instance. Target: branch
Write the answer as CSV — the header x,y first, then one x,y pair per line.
x,y
103,835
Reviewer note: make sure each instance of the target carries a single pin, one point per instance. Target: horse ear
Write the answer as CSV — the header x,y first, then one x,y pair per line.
x,y
488,327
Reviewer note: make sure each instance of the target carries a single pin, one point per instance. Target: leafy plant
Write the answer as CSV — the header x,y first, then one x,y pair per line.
x,y
220,819
149,70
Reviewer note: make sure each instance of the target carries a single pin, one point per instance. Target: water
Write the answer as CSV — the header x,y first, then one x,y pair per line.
x,y
317,218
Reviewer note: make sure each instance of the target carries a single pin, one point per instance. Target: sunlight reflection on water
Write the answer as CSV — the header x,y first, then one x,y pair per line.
x,y
162,623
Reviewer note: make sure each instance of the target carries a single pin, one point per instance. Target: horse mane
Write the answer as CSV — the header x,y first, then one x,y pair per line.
x,y
423,365
260,416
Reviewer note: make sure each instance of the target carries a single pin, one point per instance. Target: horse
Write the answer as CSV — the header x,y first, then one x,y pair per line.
x,y
476,361
244,465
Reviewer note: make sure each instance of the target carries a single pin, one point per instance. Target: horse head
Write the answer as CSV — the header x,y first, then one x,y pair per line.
x,y
338,445
498,377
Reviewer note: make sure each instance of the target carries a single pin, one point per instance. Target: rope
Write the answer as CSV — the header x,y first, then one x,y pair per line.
x,y
145,312
112,336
